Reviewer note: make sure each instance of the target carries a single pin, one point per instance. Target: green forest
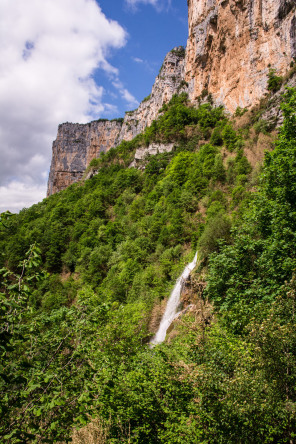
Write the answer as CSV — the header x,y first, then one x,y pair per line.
x,y
85,275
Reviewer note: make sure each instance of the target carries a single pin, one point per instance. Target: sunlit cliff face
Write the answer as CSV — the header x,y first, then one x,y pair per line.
x,y
232,44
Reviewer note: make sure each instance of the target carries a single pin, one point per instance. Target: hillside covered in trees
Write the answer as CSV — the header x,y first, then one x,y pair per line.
x,y
85,275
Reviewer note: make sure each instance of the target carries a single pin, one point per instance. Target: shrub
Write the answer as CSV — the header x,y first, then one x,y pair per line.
x,y
217,229
219,170
216,137
240,111
274,82
146,98
229,137
262,126
238,193
179,52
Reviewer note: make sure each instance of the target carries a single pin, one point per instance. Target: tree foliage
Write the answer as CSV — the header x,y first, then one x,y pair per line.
x,y
82,272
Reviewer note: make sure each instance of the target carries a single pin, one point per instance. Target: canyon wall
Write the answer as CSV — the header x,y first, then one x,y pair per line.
x,y
77,144
232,44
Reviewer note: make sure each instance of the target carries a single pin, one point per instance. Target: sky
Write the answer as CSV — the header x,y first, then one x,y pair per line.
x,y
72,61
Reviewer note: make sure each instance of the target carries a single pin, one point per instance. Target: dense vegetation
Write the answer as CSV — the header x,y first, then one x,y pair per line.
x,y
84,271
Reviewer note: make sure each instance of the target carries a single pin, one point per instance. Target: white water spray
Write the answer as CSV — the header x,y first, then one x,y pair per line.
x,y
172,305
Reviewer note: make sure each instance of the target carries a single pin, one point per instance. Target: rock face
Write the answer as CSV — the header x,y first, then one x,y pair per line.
x,y
77,144
232,44
169,81
143,152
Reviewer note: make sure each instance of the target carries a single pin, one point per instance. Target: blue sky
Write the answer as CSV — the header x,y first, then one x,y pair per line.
x,y
152,32
72,61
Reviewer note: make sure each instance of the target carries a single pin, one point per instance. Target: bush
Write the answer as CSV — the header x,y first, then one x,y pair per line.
x,y
216,137
216,230
238,193
240,111
262,126
219,169
274,82
229,137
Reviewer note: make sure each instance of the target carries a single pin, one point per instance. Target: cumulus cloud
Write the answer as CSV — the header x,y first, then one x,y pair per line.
x,y
49,51
125,94
18,195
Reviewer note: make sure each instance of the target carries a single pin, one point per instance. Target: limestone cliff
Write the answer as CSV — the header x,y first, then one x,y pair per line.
x,y
169,81
77,144
232,44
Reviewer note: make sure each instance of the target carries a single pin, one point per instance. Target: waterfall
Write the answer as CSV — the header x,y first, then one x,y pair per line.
x,y
172,305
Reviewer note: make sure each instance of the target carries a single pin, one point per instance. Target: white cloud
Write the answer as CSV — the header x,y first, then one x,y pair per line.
x,y
17,195
49,51
125,94
144,63
147,2
158,4
137,60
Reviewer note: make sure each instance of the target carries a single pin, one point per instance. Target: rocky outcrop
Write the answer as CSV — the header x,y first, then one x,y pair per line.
x,y
142,153
232,44
169,81
77,144
273,112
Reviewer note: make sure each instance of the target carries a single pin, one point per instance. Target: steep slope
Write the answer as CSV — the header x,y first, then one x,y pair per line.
x,y
77,144
78,311
85,273
232,45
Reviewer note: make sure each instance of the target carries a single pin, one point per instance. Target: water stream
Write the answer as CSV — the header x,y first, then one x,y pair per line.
x,y
172,305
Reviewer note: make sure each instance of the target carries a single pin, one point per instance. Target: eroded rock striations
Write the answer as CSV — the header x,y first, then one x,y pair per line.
x,y
77,144
169,81
232,44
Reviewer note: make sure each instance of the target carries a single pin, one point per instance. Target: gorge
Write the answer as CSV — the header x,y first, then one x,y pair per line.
x,y
106,335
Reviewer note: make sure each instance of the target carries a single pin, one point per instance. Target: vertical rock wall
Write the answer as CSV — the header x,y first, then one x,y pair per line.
x,y
232,44
75,146
169,81
231,47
